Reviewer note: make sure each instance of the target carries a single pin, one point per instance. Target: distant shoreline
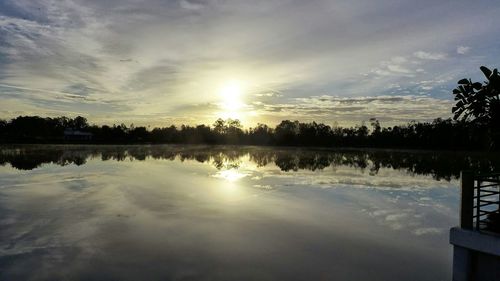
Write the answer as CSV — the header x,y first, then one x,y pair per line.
x,y
440,134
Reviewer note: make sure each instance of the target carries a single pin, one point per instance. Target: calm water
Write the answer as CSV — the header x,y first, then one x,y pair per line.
x,y
226,213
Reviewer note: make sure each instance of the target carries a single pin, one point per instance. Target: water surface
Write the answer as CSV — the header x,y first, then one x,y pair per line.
x,y
227,213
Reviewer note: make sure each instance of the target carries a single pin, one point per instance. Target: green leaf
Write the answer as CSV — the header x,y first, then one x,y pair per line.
x,y
463,81
477,86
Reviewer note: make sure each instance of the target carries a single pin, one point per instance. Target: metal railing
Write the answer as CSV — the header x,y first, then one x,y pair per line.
x,y
480,202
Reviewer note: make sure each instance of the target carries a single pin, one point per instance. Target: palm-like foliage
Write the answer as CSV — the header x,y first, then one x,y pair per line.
x,y
478,101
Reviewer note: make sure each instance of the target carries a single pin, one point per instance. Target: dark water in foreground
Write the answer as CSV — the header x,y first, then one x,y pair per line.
x,y
225,213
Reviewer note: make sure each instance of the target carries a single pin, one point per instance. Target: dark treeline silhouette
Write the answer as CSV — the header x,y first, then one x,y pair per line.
x,y
439,134
439,165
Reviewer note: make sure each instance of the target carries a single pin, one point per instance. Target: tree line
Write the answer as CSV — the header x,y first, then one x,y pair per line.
x,y
438,134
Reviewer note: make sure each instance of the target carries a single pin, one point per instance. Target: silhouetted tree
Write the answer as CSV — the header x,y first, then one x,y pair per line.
x,y
261,135
80,123
234,132
480,103
286,132
220,126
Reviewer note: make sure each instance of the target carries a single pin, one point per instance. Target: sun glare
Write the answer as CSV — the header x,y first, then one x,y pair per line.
x,y
231,175
231,96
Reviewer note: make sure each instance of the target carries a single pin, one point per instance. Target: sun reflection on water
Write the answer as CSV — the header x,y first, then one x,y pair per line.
x,y
231,175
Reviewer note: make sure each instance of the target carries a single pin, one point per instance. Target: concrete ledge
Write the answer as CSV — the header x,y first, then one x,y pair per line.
x,y
475,240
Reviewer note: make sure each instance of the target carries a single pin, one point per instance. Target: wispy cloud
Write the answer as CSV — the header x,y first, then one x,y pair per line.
x,y
430,56
191,5
462,50
345,110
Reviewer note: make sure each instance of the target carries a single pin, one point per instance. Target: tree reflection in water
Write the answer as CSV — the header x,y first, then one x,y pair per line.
x,y
439,165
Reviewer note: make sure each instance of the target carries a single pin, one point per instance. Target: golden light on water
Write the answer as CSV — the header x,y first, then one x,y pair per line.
x,y
235,170
231,175
229,187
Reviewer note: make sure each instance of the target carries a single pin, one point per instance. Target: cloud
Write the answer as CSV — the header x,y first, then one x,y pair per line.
x,y
405,66
269,94
191,5
79,89
398,69
346,111
462,50
396,66
430,56
427,230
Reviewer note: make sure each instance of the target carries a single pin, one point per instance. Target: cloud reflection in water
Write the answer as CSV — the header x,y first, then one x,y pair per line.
x,y
223,213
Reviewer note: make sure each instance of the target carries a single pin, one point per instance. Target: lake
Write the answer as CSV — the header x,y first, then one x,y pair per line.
x,y
228,213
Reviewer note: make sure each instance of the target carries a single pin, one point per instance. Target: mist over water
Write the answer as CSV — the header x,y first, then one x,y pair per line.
x,y
227,213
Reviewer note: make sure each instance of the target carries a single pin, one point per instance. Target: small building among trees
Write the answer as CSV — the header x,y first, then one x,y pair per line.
x,y
76,135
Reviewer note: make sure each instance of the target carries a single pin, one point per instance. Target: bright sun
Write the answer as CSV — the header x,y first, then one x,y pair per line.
x,y
231,95
231,99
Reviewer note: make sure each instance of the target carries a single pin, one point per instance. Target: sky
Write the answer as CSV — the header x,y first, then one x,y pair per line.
x,y
192,61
